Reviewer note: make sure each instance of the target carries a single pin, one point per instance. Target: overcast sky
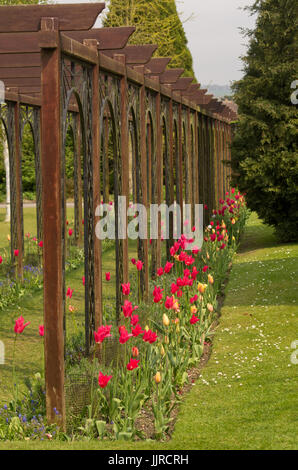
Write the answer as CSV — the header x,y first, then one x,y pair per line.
x,y
213,36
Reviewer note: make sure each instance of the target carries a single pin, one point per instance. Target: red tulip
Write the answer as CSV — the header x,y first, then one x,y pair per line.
x,y
108,276
16,252
157,294
133,364
135,351
102,333
134,320
128,308
139,265
70,232
40,244
193,320
126,288
103,380
1,260
69,292
124,335
149,336
169,302
168,267
83,280
20,326
193,299
159,272
137,330
41,330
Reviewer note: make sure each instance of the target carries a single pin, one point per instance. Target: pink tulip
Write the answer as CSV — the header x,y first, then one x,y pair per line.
x,y
20,326
103,380
69,292
139,265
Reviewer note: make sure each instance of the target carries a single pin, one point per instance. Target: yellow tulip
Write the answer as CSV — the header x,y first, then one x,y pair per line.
x,y
157,378
165,320
210,279
202,287
210,307
193,309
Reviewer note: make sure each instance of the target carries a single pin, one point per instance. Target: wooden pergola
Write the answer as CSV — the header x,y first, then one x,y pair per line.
x,y
58,72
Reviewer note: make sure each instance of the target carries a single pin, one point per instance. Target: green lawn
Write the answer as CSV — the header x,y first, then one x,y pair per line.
x,y
247,395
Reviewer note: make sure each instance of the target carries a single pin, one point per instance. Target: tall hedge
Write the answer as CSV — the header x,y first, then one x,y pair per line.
x,y
264,151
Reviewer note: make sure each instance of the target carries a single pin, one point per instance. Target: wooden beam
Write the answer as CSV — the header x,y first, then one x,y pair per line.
x,y
107,38
28,17
135,55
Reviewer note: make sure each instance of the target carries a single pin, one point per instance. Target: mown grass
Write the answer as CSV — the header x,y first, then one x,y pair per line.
x,y
246,397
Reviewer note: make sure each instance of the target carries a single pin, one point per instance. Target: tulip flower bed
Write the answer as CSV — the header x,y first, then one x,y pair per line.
x,y
156,345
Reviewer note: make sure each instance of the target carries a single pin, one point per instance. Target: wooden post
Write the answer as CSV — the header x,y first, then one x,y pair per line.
x,y
92,43
18,196
159,170
52,212
78,157
143,149
180,151
188,179
124,161
105,166
196,159
170,240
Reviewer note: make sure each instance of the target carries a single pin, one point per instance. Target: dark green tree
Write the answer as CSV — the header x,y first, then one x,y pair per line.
x,y
264,150
156,22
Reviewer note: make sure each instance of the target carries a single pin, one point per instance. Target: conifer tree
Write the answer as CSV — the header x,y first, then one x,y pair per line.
x,y
264,150
156,22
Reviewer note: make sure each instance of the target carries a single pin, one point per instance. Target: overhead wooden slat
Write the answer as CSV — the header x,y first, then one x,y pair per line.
x,y
135,55
81,16
12,82
182,84
19,72
27,90
170,76
157,65
20,60
13,43
193,87
195,95
108,38
204,99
